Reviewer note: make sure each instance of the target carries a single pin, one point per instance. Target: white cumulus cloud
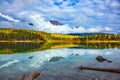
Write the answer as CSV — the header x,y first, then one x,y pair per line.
x,y
42,25
87,14
9,18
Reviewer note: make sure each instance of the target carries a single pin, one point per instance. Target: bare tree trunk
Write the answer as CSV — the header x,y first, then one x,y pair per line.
x,y
113,70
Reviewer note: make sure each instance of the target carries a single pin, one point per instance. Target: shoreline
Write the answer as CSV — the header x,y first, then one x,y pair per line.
x,y
66,41
24,41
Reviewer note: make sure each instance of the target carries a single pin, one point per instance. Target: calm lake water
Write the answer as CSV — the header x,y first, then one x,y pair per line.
x,y
60,63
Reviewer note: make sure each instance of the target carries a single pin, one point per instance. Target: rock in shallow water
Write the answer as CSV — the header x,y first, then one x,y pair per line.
x,y
102,59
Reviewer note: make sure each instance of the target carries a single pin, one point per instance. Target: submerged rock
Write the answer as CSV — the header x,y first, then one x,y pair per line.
x,y
30,57
27,76
77,54
54,59
31,76
35,75
96,79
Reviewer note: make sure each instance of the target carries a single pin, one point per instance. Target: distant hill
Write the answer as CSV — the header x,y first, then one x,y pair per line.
x,y
54,22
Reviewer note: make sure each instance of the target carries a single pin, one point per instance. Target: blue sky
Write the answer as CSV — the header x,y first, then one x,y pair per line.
x,y
88,15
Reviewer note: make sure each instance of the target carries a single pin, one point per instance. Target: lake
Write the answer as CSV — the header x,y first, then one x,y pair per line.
x,y
58,61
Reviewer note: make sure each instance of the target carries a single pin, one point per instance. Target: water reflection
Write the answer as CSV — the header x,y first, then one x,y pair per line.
x,y
10,48
54,59
57,64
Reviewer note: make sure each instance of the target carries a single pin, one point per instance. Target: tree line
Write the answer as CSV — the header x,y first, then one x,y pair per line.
x,y
20,34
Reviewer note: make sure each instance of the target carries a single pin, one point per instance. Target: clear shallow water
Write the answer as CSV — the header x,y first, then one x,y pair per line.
x,y
60,64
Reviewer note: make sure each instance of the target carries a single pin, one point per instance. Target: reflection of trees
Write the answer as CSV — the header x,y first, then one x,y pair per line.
x,y
19,47
30,47
100,45
54,59
9,48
